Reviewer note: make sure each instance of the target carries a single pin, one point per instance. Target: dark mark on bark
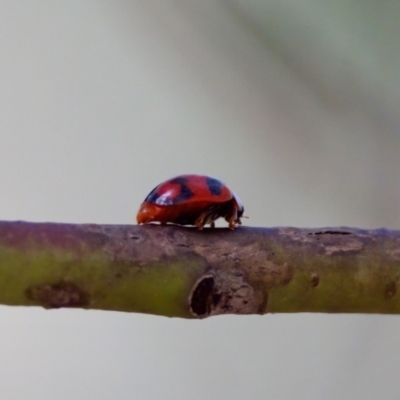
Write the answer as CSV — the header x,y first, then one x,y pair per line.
x,y
314,280
58,295
330,233
390,290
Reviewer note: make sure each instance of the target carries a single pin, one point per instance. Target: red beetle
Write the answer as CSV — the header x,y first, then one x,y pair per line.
x,y
191,200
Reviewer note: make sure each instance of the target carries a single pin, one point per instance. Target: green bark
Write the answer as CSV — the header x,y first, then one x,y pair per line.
x,y
182,272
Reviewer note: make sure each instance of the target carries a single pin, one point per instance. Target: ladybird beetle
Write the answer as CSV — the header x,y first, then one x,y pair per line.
x,y
191,200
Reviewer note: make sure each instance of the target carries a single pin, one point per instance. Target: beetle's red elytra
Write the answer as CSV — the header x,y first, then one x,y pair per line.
x,y
191,200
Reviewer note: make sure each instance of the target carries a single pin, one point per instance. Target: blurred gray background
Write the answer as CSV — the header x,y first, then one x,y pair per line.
x,y
293,103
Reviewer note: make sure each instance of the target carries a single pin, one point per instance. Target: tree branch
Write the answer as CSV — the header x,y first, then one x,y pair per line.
x,y
182,272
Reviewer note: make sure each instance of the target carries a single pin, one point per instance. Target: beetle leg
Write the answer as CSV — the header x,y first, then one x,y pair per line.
x,y
207,217
201,221
233,219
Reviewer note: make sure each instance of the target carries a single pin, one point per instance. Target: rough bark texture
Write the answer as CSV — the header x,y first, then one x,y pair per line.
x,y
182,272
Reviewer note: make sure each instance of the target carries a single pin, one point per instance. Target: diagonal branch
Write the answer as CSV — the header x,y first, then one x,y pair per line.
x,y
177,271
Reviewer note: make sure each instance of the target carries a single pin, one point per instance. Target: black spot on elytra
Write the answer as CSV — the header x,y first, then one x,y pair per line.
x,y
180,180
152,196
185,193
214,185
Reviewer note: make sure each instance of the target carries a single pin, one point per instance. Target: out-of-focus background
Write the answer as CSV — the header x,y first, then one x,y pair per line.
x,y
294,104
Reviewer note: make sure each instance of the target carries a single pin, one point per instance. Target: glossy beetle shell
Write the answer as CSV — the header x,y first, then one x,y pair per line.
x,y
191,200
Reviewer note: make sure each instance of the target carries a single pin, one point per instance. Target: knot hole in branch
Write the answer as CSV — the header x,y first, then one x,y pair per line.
x,y
224,292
